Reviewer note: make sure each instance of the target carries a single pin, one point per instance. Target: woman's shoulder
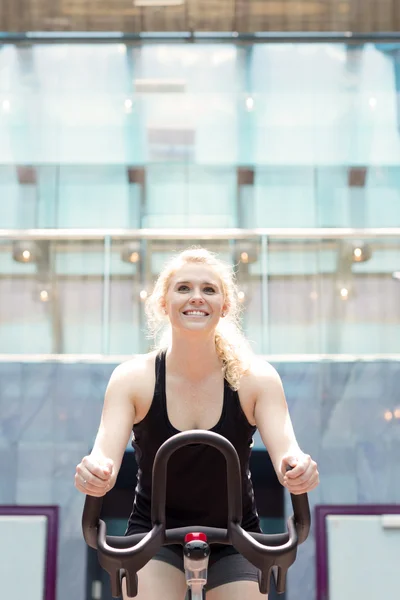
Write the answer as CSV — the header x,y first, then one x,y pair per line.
x,y
259,372
136,366
135,378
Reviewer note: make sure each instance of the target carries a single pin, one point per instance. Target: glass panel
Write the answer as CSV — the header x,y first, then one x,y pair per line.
x,y
361,299
79,268
334,296
28,196
98,196
10,216
127,280
300,296
190,196
51,296
183,195
294,271
269,135
248,260
25,311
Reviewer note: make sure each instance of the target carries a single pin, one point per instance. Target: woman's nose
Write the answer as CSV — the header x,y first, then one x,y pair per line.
x,y
196,297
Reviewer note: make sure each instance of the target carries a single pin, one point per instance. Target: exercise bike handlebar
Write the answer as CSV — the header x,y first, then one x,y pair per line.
x,y
128,554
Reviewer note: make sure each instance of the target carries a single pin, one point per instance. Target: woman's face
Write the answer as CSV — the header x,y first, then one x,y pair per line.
x,y
195,300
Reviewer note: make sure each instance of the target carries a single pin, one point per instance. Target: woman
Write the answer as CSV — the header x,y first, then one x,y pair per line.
x,y
202,376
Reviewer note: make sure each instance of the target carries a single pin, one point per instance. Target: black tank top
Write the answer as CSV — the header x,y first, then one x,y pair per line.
x,y
196,475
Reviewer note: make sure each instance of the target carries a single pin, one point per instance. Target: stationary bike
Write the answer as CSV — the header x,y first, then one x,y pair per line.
x,y
124,556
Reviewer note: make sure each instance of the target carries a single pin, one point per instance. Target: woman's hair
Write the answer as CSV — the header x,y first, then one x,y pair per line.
x,y
230,343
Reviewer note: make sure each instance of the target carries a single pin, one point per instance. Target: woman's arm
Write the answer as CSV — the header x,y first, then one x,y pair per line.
x,y
275,426
97,473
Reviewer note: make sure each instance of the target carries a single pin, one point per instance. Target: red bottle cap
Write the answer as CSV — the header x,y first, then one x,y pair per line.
x,y
189,537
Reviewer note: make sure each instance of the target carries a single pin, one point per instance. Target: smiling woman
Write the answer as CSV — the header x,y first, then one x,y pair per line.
x,y
199,278
201,375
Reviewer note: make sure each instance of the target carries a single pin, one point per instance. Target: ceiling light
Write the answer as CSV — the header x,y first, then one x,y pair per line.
x,y
134,257
131,252
26,251
246,252
372,102
44,296
361,252
249,103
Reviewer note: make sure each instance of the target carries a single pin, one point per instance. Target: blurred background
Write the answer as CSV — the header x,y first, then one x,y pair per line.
x,y
266,131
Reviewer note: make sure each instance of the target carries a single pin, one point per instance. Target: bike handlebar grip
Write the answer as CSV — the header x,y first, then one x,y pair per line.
x,y
185,438
90,519
301,513
302,516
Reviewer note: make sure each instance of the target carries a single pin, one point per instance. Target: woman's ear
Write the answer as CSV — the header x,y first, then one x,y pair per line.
x,y
163,306
225,310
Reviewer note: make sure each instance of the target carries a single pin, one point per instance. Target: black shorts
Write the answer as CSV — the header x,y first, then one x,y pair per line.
x,y
225,565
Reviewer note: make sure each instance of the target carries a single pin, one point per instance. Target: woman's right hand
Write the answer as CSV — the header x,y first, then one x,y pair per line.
x,y
94,477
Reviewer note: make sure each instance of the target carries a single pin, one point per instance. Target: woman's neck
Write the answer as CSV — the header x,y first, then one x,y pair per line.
x,y
193,359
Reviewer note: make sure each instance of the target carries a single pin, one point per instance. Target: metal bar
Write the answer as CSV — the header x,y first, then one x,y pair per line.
x,y
118,358
341,37
105,344
264,293
200,234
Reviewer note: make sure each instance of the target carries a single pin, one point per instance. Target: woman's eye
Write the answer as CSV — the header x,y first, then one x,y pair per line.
x,y
185,288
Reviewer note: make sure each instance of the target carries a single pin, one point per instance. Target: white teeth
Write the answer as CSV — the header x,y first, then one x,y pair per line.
x,y
196,312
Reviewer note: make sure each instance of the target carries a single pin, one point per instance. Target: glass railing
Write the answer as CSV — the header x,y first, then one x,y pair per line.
x,y
283,134
305,291
160,195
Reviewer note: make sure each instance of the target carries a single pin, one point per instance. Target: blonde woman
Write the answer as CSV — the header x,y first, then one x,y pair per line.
x,y
202,375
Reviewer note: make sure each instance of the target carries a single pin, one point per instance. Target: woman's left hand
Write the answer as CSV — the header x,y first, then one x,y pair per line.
x,y
303,477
